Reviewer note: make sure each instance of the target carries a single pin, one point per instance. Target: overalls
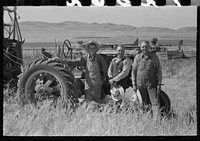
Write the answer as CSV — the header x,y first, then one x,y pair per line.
x,y
94,77
147,81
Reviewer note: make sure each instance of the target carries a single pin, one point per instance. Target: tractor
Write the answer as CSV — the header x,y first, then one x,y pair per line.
x,y
54,78
12,47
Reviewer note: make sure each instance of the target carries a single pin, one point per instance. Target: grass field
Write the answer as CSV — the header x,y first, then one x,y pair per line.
x,y
179,79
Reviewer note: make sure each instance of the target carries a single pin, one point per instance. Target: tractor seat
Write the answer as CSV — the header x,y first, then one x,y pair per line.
x,y
45,54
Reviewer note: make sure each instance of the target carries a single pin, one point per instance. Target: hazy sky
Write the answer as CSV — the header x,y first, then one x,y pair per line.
x,y
168,16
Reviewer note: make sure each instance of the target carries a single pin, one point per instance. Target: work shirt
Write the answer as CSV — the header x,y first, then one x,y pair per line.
x,y
96,69
146,71
119,68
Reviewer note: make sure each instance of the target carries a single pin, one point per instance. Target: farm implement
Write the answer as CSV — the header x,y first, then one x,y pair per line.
x,y
12,47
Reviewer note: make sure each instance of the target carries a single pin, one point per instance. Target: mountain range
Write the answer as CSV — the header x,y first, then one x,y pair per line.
x,y
34,31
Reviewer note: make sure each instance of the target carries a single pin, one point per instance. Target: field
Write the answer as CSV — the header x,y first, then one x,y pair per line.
x,y
179,79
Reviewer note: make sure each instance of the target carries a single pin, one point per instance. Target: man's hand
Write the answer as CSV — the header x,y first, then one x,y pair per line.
x,y
134,87
111,81
158,88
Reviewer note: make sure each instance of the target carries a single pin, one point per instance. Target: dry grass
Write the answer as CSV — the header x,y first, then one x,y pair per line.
x,y
87,120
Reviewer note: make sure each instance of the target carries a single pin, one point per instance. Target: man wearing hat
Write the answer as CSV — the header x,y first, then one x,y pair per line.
x,y
147,76
96,71
119,68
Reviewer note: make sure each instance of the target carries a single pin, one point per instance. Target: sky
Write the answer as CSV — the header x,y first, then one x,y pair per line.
x,y
167,16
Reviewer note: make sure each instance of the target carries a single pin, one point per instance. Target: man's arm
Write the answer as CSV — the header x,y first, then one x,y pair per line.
x,y
110,69
134,70
125,71
80,62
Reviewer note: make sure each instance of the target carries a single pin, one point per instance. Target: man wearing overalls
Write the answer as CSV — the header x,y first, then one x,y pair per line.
x,y
147,77
96,71
119,68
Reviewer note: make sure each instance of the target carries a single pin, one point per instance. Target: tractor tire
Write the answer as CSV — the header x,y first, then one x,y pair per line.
x,y
165,103
49,76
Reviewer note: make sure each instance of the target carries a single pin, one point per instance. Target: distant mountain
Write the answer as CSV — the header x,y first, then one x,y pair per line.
x,y
71,25
187,29
44,32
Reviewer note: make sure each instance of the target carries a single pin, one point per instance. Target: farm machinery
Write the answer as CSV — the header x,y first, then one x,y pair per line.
x,y
12,47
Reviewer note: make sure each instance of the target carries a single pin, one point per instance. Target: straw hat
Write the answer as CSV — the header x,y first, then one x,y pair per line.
x,y
97,45
117,92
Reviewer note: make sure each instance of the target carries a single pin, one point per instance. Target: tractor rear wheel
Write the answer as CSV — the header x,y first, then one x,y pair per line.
x,y
46,79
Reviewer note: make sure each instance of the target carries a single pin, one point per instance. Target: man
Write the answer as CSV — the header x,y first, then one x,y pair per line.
x,y
119,68
147,76
153,45
96,71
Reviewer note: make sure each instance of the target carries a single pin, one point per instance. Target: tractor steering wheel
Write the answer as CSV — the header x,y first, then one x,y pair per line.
x,y
68,49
